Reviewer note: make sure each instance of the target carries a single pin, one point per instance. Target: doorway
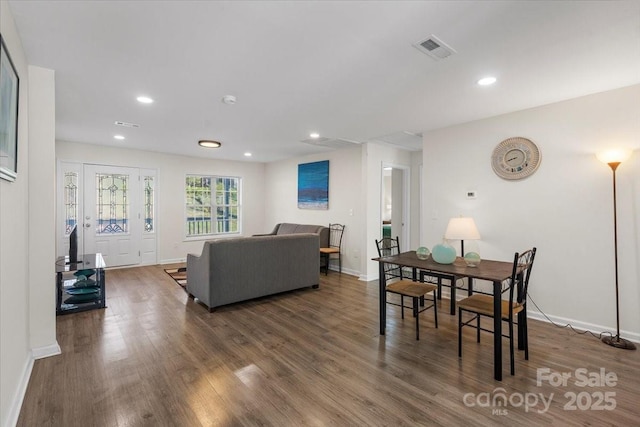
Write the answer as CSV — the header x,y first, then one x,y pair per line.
x,y
394,203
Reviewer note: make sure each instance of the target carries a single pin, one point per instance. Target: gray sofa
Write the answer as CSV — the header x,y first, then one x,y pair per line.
x,y
243,268
289,228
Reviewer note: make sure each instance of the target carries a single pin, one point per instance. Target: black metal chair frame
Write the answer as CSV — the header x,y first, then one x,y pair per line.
x,y
336,232
388,246
517,285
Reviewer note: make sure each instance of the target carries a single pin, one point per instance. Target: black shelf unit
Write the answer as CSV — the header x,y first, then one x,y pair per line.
x,y
73,296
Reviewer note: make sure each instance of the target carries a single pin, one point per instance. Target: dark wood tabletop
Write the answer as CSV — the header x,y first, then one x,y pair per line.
x,y
494,271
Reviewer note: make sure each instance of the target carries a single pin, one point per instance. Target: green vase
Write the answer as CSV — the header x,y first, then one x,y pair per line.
x,y
443,253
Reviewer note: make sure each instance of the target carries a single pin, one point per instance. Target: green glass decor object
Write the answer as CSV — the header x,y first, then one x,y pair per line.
x,y
472,259
422,252
443,253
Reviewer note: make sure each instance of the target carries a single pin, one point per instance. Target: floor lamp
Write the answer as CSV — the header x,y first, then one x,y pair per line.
x,y
613,158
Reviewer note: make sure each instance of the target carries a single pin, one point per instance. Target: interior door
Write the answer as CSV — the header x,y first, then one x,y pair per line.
x,y
112,222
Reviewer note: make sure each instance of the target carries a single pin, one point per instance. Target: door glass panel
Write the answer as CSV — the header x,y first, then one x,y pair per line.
x,y
148,204
70,201
112,203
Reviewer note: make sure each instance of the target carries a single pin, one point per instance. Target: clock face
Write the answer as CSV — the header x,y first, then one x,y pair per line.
x,y
515,158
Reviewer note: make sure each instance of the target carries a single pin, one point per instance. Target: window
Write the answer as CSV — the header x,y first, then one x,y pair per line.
x,y
112,204
70,201
212,205
148,204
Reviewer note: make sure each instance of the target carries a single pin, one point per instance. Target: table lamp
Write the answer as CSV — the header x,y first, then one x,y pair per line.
x,y
462,229
613,158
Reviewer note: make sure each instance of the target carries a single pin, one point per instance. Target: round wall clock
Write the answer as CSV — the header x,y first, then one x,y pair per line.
x,y
515,158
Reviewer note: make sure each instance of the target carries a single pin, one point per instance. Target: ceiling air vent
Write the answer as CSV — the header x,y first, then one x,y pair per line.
x,y
434,47
330,142
406,140
125,124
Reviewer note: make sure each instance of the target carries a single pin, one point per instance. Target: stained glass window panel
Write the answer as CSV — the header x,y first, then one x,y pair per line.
x,y
70,201
149,226
112,204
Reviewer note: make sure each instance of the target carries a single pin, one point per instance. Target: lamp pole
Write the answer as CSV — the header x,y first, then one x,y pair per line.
x,y
617,341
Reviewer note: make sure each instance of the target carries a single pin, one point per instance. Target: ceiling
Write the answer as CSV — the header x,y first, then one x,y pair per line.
x,y
347,70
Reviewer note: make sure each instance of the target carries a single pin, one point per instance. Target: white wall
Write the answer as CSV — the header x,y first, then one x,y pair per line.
x,y
564,209
21,327
173,246
42,176
345,199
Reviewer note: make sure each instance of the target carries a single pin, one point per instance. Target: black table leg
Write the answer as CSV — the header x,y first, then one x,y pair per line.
x,y
383,297
453,295
497,331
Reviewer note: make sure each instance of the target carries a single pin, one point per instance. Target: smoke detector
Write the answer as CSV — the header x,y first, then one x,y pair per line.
x,y
434,47
229,99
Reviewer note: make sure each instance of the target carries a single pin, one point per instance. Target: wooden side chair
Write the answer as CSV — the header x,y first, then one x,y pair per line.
x,y
482,305
388,246
335,246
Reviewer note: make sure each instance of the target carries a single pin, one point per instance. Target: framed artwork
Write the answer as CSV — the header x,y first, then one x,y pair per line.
x,y
9,86
313,185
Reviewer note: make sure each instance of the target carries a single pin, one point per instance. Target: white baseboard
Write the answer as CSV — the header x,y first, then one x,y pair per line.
x,y
582,326
18,397
576,324
46,351
173,261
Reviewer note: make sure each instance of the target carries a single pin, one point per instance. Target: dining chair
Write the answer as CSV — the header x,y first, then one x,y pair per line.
x,y
388,246
335,247
482,305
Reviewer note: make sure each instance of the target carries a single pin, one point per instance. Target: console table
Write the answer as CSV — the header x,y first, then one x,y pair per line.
x,y
73,293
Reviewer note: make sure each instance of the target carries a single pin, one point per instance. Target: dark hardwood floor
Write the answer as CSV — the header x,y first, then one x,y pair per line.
x,y
311,357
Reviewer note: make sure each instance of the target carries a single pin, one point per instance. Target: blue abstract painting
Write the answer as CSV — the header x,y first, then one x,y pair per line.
x,y
313,185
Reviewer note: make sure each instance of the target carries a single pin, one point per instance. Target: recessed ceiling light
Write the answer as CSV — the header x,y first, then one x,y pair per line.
x,y
144,99
314,135
247,154
207,143
486,81
120,137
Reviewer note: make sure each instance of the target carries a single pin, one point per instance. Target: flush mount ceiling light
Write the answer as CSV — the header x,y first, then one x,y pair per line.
x,y
247,154
314,135
119,137
144,100
208,143
486,81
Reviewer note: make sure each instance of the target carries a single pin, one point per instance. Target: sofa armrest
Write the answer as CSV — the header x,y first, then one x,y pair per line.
x,y
199,275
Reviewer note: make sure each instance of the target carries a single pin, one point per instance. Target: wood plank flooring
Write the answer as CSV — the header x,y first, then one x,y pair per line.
x,y
311,357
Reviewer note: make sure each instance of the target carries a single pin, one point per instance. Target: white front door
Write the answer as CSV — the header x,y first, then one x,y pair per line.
x,y
112,220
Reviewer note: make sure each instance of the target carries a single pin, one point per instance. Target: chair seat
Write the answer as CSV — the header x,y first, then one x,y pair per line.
x,y
410,289
329,250
483,304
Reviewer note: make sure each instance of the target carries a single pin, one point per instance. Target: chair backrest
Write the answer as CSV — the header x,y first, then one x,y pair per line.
x,y
389,246
522,266
335,235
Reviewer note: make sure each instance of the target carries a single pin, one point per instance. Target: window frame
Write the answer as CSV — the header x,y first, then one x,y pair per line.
x,y
213,206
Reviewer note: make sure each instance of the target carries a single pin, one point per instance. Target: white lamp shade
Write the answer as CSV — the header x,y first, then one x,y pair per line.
x,y
462,229
614,155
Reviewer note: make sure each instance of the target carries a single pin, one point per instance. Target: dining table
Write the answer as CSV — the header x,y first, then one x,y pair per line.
x,y
496,272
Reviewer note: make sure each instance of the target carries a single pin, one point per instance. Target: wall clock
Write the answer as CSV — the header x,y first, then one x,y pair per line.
x,y
515,158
